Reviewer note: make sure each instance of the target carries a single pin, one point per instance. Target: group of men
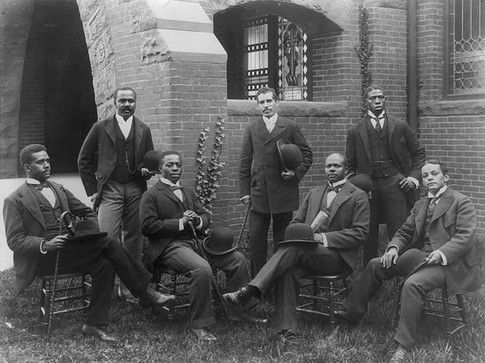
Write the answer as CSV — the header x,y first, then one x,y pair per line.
x,y
383,156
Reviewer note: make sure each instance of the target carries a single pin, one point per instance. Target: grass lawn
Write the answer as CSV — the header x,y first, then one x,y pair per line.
x,y
146,335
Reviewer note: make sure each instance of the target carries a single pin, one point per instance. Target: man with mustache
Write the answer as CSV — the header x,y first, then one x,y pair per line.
x,y
33,215
270,189
109,163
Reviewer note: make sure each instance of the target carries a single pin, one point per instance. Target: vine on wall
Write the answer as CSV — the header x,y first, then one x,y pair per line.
x,y
364,52
209,167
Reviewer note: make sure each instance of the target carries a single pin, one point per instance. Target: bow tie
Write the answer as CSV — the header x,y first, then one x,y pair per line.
x,y
336,189
175,187
41,186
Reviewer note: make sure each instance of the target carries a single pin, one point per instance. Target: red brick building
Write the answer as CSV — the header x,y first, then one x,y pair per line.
x,y
193,62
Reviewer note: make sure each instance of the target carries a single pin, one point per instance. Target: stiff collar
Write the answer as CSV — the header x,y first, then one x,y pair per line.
x,y
338,183
169,183
440,192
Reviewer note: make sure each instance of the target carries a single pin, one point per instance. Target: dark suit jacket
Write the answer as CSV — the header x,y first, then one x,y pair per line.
x,y
260,167
407,154
160,211
452,231
97,158
25,227
348,220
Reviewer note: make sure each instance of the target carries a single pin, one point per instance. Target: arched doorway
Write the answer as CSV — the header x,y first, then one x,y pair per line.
x,y
57,106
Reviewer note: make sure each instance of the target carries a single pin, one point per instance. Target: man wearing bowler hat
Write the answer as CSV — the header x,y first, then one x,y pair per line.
x,y
268,186
434,248
323,238
36,233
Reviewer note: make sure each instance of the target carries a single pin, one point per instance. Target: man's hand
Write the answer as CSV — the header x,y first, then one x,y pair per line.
x,y
146,173
190,216
407,184
56,243
287,174
434,258
390,257
246,199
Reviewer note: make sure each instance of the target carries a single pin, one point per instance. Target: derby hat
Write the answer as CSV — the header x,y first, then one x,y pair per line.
x,y
411,261
362,181
290,154
219,242
298,233
151,161
85,230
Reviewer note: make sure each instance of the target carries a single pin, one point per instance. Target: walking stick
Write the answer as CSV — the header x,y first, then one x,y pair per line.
x,y
215,287
65,225
243,225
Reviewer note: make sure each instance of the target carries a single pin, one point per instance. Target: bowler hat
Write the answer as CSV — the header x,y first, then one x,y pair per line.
x,y
151,161
362,181
290,154
298,233
85,230
219,242
411,261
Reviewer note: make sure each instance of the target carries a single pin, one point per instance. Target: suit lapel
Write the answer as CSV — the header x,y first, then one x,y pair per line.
x,y
60,196
362,128
279,127
421,215
391,126
261,130
138,135
165,189
340,198
316,203
28,200
443,205
110,128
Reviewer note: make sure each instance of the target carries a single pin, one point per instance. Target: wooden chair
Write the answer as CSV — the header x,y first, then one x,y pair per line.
x,y
326,292
451,310
72,294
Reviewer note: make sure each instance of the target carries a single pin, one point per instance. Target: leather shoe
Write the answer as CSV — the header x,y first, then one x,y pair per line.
x,y
239,297
92,331
203,335
400,355
345,316
154,298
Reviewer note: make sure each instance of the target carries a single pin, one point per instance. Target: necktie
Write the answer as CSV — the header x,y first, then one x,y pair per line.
x,y
378,126
331,188
41,186
432,207
175,187
177,190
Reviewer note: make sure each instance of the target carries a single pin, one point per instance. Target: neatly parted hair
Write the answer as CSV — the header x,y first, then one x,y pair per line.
x,y
442,166
168,152
115,94
267,90
371,88
27,152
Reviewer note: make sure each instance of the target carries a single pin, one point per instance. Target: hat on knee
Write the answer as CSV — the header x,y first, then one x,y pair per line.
x,y
219,242
411,261
298,233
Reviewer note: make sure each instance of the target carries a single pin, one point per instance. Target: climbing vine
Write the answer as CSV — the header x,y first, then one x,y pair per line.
x,y
364,52
209,167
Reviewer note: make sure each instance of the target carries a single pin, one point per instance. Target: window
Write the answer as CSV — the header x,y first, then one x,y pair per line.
x,y
466,48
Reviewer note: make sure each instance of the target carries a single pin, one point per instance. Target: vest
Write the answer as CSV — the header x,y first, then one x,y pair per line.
x,y
50,214
382,165
125,169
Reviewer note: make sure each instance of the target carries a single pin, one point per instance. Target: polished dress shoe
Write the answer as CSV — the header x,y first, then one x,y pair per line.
x,y
203,335
346,317
92,331
239,297
154,298
400,355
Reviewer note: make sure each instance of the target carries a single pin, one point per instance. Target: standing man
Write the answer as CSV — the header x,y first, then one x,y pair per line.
x,y
109,167
264,183
172,219
323,238
434,248
33,215
389,152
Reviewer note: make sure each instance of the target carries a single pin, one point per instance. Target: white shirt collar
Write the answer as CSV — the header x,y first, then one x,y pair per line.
x,y
121,120
440,192
272,119
169,182
32,181
372,116
338,183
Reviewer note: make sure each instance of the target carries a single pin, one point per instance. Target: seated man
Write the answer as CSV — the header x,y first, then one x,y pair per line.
x,y
32,223
435,247
173,219
334,220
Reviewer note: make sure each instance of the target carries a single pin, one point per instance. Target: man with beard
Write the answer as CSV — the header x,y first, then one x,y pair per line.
x,y
109,163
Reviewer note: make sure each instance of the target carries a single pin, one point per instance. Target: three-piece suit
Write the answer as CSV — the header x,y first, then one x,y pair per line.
x,y
387,158
272,197
30,219
451,231
348,223
178,250
109,165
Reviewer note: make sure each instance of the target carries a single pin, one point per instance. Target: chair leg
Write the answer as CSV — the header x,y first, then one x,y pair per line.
x,y
446,309
315,293
331,303
461,307
397,304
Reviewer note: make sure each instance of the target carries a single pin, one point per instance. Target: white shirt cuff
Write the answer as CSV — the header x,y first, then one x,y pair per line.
x,y
44,252
181,224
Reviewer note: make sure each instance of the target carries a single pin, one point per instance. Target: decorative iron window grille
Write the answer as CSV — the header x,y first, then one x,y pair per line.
x,y
467,47
291,65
